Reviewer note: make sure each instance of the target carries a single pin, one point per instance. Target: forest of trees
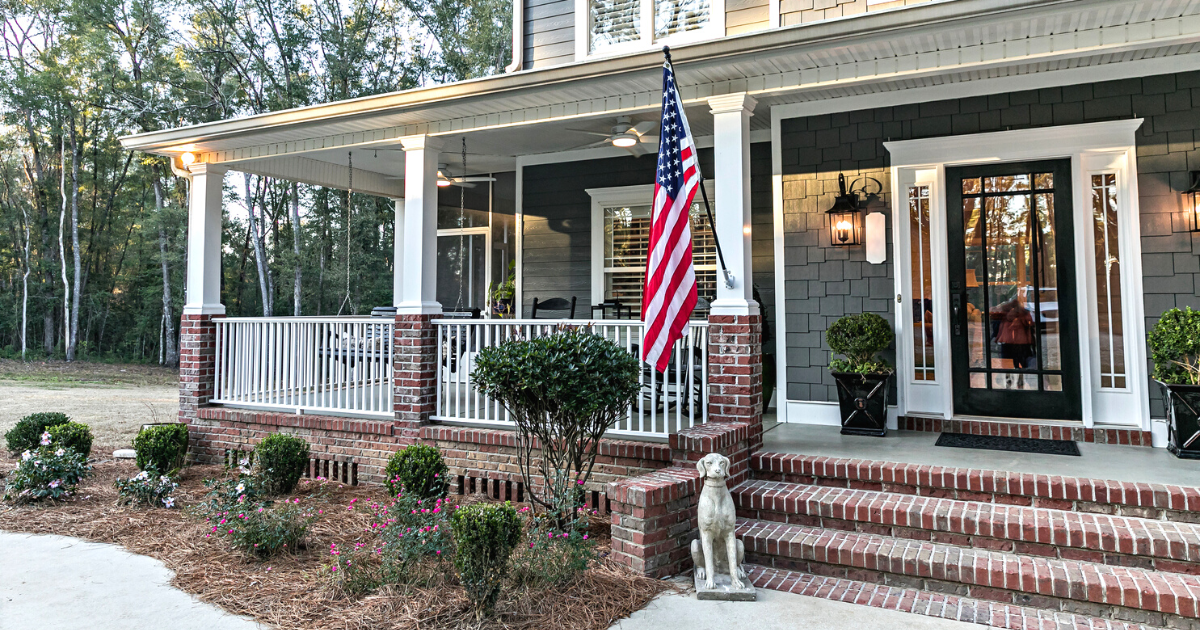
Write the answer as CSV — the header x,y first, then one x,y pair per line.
x,y
92,237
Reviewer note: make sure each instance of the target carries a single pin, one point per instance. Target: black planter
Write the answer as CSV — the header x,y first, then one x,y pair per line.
x,y
1183,426
863,399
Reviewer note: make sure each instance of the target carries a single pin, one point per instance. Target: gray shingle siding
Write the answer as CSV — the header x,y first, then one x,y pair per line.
x,y
815,149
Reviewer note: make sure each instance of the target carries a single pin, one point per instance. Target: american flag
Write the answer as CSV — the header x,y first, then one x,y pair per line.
x,y
670,292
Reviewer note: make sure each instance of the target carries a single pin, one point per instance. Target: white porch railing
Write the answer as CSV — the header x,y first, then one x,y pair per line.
x,y
669,402
306,364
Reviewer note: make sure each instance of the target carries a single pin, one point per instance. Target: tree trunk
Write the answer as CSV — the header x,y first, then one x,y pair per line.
x,y
172,352
73,325
62,255
295,198
260,258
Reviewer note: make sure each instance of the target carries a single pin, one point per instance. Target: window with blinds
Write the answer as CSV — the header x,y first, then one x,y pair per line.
x,y
680,16
614,22
626,235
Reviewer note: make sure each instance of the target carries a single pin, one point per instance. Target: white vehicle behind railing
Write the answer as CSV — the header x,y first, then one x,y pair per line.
x,y
339,365
674,400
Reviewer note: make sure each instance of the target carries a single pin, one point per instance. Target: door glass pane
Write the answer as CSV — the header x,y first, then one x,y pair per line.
x,y
921,283
678,16
462,271
1107,269
1013,336
614,22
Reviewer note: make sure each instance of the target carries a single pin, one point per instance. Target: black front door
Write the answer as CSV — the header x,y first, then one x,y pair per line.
x,y
1014,343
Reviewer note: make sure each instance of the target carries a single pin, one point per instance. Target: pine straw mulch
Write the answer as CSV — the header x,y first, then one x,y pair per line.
x,y
292,590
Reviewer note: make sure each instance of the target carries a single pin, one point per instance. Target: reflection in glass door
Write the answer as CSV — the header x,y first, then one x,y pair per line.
x,y
462,268
1014,342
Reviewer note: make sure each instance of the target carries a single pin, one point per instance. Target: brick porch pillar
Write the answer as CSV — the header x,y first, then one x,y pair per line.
x,y
735,389
414,374
197,363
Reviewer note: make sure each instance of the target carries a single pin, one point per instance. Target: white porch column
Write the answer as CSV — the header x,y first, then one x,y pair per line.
x,y
398,252
731,174
418,289
204,241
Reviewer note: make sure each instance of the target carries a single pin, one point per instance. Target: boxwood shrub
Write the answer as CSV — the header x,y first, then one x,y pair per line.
x,y
162,448
859,338
419,469
27,434
485,534
279,461
73,435
1175,347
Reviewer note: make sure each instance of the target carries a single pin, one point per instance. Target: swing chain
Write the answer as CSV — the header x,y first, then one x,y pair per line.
x,y
349,191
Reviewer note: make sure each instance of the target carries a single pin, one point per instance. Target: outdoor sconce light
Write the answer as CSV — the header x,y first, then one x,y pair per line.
x,y
188,158
1191,202
844,228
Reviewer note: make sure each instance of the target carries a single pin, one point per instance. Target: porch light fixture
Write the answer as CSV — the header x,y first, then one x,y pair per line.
x,y
1191,202
844,225
625,140
187,158
442,181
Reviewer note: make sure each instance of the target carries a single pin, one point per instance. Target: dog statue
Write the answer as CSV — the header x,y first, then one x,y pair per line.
x,y
717,551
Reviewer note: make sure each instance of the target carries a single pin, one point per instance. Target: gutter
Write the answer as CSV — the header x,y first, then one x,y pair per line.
x,y
815,35
518,30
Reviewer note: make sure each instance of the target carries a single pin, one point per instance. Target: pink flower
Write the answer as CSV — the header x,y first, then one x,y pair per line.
x,y
585,536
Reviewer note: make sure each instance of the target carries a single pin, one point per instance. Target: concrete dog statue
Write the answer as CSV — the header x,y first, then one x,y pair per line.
x,y
717,551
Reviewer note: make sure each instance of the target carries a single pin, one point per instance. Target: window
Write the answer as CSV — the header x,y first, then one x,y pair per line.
x,y
921,280
621,232
1107,269
615,26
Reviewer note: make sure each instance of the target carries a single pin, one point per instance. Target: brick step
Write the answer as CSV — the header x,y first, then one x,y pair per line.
x,y
1099,538
1050,430
1097,590
1079,494
930,604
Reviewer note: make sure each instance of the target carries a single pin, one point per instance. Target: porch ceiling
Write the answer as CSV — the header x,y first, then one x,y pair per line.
x,y
951,41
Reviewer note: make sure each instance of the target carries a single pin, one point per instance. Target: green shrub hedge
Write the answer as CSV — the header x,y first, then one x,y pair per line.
x,y
27,434
279,461
419,469
73,435
162,448
485,534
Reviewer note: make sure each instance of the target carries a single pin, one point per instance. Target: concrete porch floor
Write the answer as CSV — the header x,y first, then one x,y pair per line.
x,y
1097,461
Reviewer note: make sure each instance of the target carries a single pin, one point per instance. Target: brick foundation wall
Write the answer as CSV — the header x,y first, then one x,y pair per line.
x,y
197,363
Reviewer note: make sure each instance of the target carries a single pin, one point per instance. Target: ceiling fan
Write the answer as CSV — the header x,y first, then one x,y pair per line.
x,y
444,180
626,135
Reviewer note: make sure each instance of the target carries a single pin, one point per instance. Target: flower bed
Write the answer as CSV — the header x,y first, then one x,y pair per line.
x,y
294,589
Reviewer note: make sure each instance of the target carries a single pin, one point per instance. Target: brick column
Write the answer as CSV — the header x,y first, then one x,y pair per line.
x,y
735,372
197,363
415,373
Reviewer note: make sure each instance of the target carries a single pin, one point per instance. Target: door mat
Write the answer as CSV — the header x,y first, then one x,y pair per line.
x,y
1011,444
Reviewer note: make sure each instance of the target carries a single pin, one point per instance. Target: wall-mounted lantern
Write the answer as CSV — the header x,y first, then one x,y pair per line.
x,y
844,225
1191,202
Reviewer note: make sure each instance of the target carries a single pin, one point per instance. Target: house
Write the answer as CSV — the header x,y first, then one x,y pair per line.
x,y
1011,159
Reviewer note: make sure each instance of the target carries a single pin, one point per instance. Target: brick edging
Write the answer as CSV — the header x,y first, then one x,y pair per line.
x,y
1053,491
299,421
1098,435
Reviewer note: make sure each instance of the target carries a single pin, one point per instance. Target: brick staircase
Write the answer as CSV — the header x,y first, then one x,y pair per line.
x,y
997,548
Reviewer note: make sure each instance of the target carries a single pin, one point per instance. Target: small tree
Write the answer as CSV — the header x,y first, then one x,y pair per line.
x,y
859,338
563,390
1175,347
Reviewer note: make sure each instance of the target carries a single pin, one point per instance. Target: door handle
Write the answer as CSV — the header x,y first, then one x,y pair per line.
x,y
956,301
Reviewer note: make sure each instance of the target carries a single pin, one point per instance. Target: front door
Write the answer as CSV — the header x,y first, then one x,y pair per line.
x,y
1014,339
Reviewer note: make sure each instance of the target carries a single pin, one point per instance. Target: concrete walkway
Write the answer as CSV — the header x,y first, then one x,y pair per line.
x,y
67,584
776,611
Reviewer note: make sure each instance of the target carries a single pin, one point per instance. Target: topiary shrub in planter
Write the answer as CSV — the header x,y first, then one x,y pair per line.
x,y
418,469
485,534
279,461
72,435
862,377
1175,349
162,448
563,391
27,434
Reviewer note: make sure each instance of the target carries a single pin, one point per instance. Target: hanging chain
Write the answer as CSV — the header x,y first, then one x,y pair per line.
x,y
462,220
349,192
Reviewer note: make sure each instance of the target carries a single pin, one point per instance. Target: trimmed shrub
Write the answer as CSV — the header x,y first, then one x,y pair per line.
x,y
484,537
162,448
554,556
27,434
1175,347
72,435
859,338
419,470
279,461
563,390
146,489
264,532
50,472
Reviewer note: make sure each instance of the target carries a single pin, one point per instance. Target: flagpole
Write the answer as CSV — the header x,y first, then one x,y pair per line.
x,y
704,193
